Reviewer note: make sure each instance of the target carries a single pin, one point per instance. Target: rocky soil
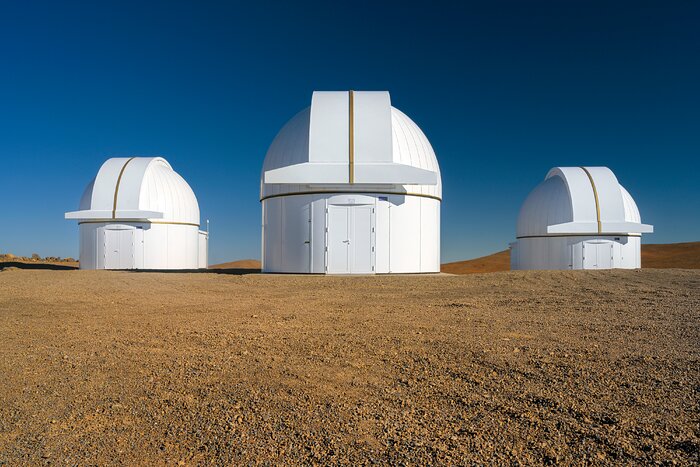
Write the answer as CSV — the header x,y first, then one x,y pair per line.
x,y
103,367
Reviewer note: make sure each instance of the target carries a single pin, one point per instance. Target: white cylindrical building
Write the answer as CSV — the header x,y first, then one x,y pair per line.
x,y
138,213
578,218
350,185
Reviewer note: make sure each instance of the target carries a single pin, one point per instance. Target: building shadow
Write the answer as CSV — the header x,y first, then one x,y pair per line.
x,y
234,271
51,267
61,267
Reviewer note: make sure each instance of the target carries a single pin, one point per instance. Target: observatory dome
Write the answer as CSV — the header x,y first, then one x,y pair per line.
x,y
579,200
408,147
350,185
578,218
138,213
139,188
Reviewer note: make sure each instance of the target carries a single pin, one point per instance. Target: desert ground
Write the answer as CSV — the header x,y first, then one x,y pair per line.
x,y
141,368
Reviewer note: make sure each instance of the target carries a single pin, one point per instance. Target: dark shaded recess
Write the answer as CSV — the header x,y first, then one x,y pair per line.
x,y
53,267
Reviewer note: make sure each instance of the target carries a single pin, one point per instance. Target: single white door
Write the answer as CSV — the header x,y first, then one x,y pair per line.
x,y
119,249
338,246
361,240
597,255
604,255
350,232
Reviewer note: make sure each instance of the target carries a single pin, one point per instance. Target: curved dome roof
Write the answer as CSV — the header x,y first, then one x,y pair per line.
x,y
579,200
386,146
138,188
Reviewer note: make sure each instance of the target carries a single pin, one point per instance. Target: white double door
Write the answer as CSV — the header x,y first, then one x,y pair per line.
x,y
350,239
120,248
598,255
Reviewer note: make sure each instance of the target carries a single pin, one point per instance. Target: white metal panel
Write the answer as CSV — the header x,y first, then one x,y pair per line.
x,y
382,232
372,128
328,128
395,174
581,195
86,199
430,235
105,183
405,234
273,230
296,240
411,147
131,182
514,263
308,173
631,209
203,254
546,205
88,245
291,145
318,234
162,189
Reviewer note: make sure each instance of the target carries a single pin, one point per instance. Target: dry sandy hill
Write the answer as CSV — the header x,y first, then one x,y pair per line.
x,y
514,368
492,263
240,264
662,256
671,255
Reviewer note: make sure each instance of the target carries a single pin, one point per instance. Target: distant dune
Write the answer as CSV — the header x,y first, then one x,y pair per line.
x,y
671,255
240,264
493,263
662,256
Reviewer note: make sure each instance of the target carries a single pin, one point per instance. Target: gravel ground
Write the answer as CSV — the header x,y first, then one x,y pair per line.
x,y
103,367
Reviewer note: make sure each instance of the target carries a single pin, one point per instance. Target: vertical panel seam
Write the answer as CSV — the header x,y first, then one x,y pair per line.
x,y
116,188
351,129
597,202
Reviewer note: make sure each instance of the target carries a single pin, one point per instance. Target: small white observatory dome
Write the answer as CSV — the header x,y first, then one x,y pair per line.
x,y
578,218
351,185
138,213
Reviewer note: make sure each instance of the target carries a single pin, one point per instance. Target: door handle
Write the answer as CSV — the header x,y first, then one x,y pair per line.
x,y
307,241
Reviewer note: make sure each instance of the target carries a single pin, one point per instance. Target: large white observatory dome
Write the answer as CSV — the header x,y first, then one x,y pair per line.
x,y
409,147
578,218
139,213
351,152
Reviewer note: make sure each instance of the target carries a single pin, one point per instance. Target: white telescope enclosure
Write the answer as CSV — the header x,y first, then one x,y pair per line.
x,y
578,218
138,213
350,185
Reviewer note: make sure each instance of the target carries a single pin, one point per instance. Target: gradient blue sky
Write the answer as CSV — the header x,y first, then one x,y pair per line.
x,y
503,90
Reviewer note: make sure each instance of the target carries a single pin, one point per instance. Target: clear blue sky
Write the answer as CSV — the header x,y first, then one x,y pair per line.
x,y
503,90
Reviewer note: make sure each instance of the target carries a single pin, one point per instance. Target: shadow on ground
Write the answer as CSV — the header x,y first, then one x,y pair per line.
x,y
234,271
19,265
61,267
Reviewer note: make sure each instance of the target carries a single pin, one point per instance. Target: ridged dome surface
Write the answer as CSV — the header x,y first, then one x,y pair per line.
x,y
576,194
410,146
140,184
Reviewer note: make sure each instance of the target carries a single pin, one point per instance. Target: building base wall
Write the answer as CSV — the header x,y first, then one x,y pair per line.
x,y
138,245
358,233
576,252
